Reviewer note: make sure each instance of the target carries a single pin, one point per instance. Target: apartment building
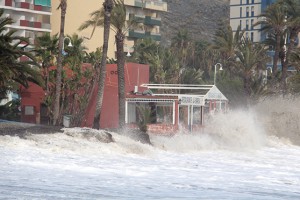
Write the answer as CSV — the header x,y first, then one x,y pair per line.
x,y
31,17
147,12
245,13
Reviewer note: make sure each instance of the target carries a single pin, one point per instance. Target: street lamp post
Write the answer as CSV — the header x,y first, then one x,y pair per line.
x,y
63,45
221,68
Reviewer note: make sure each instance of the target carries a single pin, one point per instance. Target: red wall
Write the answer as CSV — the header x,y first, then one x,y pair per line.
x,y
135,74
31,96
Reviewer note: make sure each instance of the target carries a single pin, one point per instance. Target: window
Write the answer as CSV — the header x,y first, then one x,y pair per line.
x,y
241,11
247,12
29,110
252,22
241,2
252,11
247,24
247,35
241,24
43,2
247,2
252,1
252,36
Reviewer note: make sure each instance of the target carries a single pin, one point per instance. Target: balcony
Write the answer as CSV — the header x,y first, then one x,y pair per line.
x,y
152,21
27,6
139,3
8,2
136,34
32,24
156,5
153,4
154,36
137,18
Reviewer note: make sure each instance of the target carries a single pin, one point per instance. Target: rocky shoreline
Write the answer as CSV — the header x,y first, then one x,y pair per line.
x,y
22,130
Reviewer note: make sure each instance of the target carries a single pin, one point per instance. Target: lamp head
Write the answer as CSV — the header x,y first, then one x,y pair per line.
x,y
128,54
70,44
221,68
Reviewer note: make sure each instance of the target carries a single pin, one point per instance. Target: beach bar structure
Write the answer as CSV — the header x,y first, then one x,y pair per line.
x,y
174,106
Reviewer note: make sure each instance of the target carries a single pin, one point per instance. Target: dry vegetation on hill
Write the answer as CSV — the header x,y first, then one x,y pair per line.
x,y
199,17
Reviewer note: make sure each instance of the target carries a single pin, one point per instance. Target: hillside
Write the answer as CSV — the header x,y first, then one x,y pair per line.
x,y
199,17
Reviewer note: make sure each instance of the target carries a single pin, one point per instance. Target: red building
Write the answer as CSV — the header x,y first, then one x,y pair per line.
x,y
135,75
171,105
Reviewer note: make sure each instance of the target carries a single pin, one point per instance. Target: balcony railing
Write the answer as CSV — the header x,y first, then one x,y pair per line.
x,y
154,36
35,24
152,21
137,18
136,34
8,2
26,5
154,5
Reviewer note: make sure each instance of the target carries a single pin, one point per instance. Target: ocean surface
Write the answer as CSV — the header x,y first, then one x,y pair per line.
x,y
252,154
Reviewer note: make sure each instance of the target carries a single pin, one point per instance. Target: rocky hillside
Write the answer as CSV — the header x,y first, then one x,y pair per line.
x,y
199,17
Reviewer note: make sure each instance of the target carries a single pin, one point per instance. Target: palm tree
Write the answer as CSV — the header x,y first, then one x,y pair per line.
x,y
226,42
75,54
251,57
12,71
63,8
145,49
46,51
120,27
273,21
108,7
293,28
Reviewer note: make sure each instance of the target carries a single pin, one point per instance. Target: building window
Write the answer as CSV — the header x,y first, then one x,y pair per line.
x,y
29,110
252,36
43,2
247,24
247,1
252,1
252,11
241,11
241,24
247,35
241,2
252,22
247,12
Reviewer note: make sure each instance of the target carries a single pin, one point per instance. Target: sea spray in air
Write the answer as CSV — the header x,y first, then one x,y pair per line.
x,y
235,130
281,118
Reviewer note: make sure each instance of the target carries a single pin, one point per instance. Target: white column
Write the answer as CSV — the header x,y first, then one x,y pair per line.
x,y
174,112
126,112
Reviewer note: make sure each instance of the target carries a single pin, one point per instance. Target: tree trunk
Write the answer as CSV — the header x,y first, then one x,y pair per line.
x,y
121,78
247,88
63,8
108,6
276,56
285,64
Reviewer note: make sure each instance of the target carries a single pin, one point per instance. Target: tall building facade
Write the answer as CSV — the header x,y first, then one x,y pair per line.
x,y
31,17
146,12
245,13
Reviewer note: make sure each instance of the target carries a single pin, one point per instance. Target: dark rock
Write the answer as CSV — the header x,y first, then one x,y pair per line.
x,y
89,134
139,136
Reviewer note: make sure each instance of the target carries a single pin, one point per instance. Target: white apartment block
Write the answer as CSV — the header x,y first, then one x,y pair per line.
x,y
31,17
245,13
146,12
